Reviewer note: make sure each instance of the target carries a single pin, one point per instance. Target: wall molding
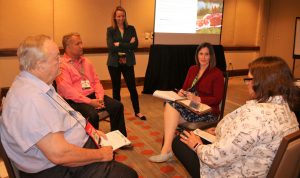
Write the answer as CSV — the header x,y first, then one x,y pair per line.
x,y
6,52
140,80
237,72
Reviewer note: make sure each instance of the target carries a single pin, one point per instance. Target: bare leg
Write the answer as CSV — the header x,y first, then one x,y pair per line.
x,y
171,120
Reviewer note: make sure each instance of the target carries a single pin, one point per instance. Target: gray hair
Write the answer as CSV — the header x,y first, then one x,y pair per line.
x,y
66,38
32,50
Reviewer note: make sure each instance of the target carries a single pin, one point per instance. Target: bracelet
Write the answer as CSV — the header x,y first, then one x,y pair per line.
x,y
196,146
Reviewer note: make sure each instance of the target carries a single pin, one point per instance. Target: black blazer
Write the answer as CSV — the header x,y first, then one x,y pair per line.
x,y
114,35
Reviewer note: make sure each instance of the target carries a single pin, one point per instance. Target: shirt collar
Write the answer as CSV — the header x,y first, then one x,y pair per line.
x,y
68,59
36,81
278,99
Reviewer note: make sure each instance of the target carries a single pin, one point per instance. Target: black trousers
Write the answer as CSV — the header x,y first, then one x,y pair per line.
x,y
110,169
113,107
187,157
129,77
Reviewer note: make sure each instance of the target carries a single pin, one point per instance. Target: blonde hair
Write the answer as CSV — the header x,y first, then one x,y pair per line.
x,y
113,17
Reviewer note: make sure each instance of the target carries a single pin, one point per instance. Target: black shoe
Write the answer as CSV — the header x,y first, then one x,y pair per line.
x,y
142,118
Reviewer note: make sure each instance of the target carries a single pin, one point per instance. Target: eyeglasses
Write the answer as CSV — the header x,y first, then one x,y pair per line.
x,y
247,80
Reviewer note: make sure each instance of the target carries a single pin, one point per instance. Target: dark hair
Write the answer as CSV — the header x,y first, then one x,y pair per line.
x,y
212,59
113,18
272,76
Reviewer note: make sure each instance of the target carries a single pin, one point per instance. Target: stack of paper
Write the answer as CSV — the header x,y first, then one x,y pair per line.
x,y
115,139
172,96
202,108
167,95
207,136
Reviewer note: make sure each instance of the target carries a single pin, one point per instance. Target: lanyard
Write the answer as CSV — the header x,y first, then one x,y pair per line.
x,y
72,113
90,130
81,70
195,81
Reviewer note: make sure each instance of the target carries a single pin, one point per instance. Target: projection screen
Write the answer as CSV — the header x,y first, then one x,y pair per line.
x,y
188,21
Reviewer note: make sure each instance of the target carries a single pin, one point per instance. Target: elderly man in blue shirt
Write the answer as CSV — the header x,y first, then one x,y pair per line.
x,y
41,133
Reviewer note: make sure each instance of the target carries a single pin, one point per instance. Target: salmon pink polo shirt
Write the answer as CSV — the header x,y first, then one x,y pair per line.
x,y
72,73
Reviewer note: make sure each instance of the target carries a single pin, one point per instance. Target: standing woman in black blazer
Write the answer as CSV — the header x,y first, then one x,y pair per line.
x,y
121,41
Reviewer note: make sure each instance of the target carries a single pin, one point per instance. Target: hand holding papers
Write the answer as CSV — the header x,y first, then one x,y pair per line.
x,y
205,135
115,139
172,96
200,109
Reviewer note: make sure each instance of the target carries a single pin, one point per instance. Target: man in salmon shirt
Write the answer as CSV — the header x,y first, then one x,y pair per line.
x,y
79,84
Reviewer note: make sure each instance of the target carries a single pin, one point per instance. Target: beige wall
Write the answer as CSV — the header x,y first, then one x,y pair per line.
x,y
240,26
265,23
56,17
280,34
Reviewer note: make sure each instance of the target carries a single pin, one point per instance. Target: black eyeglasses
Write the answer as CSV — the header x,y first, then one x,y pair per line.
x,y
247,80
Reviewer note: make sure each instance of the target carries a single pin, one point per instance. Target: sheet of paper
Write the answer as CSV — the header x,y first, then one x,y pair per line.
x,y
207,136
167,95
115,139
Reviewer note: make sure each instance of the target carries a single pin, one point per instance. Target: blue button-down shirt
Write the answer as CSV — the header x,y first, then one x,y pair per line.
x,y
32,109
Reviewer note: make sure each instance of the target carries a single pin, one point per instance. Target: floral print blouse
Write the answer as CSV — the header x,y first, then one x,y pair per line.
x,y
247,140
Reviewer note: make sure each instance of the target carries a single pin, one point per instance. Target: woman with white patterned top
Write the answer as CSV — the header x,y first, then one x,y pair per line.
x,y
247,139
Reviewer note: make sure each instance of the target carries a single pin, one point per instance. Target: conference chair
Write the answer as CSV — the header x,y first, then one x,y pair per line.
x,y
3,92
287,159
12,171
202,124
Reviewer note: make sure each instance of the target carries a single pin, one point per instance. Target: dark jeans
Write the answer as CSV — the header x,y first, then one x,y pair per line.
x,y
129,77
109,169
113,107
187,157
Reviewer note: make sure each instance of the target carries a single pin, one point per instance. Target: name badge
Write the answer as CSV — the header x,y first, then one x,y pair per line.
x,y
93,134
85,84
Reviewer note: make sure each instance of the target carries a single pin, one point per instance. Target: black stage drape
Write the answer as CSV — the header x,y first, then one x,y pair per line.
x,y
169,64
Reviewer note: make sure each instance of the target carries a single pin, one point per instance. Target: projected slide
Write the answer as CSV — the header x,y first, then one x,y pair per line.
x,y
176,16
187,21
209,17
188,16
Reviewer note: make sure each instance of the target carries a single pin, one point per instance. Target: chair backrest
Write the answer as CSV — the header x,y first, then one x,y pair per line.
x,y
12,171
287,159
10,168
4,91
222,104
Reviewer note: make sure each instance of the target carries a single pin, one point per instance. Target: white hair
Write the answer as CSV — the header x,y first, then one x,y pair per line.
x,y
32,50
